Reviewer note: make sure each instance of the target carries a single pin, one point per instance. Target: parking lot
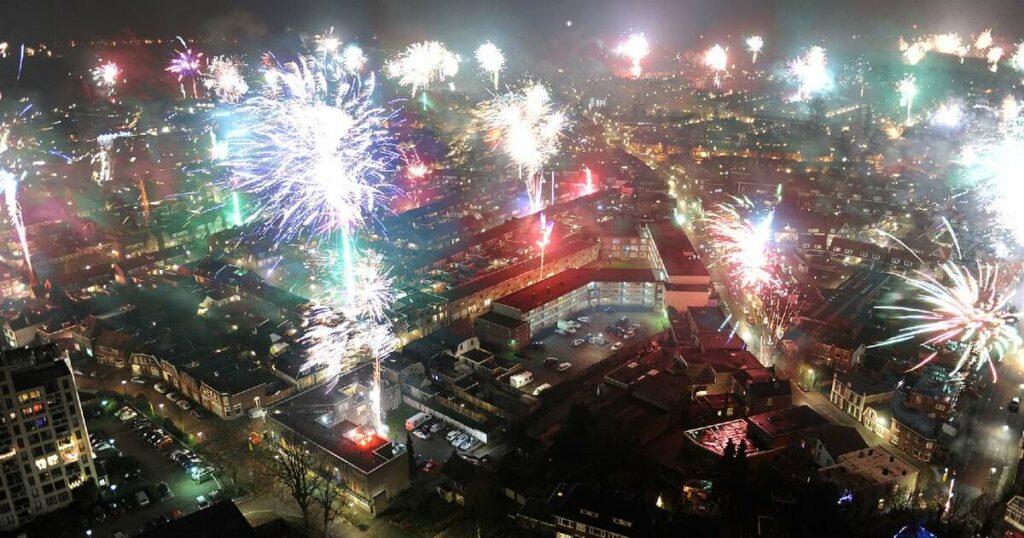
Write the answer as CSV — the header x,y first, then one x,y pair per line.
x,y
156,467
436,448
583,356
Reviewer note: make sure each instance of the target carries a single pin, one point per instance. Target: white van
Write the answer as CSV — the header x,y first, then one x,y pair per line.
x,y
520,379
416,421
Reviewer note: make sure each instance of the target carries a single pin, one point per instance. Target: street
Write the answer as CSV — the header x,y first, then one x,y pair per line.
x,y
989,436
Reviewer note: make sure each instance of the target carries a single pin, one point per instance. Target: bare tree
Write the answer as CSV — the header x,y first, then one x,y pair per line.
x,y
329,498
291,464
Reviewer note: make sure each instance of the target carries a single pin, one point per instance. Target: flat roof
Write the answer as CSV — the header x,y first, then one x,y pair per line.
x,y
723,360
787,421
708,318
367,455
552,288
494,278
676,251
500,320
715,437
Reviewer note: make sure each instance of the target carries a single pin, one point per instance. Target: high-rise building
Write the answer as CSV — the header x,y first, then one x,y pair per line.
x,y
44,445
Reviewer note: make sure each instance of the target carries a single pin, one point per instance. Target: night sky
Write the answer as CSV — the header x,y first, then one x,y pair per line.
x,y
667,22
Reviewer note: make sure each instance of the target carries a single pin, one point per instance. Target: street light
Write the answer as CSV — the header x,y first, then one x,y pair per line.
x,y
124,387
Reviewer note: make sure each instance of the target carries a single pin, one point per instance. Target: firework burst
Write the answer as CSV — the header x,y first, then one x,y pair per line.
x,y
635,48
754,45
224,78
312,152
993,56
773,314
984,40
527,126
965,310
491,60
106,76
948,116
422,64
9,187
907,88
185,63
810,71
716,58
992,172
338,343
743,245
353,60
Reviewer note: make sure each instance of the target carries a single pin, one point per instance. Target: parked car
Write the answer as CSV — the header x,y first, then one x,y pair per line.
x,y
420,434
196,413
202,474
125,414
141,498
583,319
138,380
184,404
564,367
540,389
458,439
161,388
578,342
538,344
164,442
164,490
174,513
430,465
616,346
437,427
202,502
1014,405
174,396
560,332
452,435
551,361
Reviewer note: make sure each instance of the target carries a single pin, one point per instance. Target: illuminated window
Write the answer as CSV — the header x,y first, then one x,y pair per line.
x,y
41,463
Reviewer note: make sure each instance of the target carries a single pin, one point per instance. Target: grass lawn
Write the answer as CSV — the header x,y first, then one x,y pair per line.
x,y
396,422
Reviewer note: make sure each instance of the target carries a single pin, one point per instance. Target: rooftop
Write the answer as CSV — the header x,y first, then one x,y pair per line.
x,y
360,448
915,420
500,320
218,521
715,437
723,360
708,318
839,439
868,467
568,248
787,421
552,288
675,251
612,511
